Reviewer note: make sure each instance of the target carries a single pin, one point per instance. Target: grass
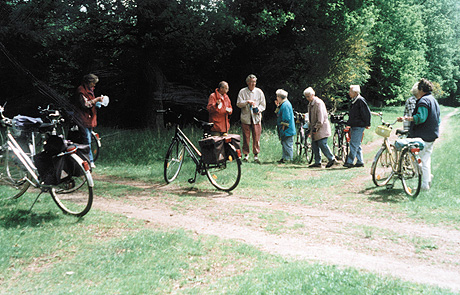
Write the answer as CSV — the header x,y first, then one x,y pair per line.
x,y
46,252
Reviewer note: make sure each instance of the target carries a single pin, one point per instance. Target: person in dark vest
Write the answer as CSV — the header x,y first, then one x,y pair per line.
x,y
87,107
425,121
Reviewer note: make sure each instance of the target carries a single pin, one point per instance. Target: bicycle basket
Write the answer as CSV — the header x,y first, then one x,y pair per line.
x,y
383,130
336,118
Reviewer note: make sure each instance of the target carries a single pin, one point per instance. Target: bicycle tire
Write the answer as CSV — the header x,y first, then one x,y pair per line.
x,y
14,176
77,202
382,169
411,175
299,144
308,149
225,176
174,160
95,146
337,147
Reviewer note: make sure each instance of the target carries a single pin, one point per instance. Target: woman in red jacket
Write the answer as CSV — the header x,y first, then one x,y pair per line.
x,y
219,108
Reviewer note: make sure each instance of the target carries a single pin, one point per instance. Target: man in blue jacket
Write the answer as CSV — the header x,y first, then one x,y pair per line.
x,y
285,124
359,118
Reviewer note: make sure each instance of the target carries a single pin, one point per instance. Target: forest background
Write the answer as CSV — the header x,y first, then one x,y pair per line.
x,y
150,54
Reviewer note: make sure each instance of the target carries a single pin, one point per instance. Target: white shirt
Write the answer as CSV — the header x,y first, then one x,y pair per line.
x,y
247,115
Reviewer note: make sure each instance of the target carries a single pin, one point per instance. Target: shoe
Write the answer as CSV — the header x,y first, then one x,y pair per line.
x,y
316,165
282,161
92,165
331,163
359,165
425,188
348,165
246,158
256,160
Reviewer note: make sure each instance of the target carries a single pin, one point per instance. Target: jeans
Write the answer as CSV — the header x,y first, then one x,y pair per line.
x,y
287,142
321,144
88,139
356,136
425,156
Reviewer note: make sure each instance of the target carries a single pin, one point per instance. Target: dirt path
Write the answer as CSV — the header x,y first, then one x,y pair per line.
x,y
376,241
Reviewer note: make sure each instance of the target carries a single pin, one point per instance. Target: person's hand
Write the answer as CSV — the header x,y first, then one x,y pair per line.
x,y
400,119
251,102
229,110
368,127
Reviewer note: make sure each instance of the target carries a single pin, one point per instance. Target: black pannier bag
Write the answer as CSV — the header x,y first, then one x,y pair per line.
x,y
212,149
235,140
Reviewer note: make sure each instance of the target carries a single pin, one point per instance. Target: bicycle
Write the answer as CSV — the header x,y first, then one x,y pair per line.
x,y
57,169
398,160
303,138
341,138
221,162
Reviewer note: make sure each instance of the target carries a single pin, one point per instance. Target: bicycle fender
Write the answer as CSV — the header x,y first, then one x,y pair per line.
x,y
87,173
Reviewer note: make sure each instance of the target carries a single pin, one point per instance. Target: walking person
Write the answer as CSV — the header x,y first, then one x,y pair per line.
x,y
320,128
251,101
359,118
87,108
425,121
220,108
285,124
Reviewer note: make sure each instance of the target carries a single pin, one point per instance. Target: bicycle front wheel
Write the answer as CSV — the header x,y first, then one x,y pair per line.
x,y
174,160
226,175
14,176
308,148
74,202
382,169
411,176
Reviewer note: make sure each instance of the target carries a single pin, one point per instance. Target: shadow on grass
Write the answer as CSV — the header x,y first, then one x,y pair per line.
x,y
384,195
199,193
11,218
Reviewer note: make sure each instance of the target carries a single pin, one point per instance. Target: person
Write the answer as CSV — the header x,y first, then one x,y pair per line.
x,y
425,120
320,128
251,101
410,106
285,124
220,108
87,108
359,118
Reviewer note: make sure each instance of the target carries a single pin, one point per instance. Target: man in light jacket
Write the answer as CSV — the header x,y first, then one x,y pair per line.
x,y
251,101
320,128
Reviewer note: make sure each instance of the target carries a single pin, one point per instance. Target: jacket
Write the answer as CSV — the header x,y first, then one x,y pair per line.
x,y
285,121
88,113
248,116
359,114
319,122
219,115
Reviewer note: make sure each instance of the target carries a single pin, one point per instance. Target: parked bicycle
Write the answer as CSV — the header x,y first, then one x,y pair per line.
x,y
303,138
341,138
58,169
65,125
219,160
397,160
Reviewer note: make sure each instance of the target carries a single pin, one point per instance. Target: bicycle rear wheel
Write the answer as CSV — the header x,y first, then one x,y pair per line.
x,y
75,202
308,148
338,147
411,176
382,170
13,175
226,175
299,142
174,160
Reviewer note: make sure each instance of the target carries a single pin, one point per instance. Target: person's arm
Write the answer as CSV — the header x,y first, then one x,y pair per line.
x,y
212,104
228,105
241,101
262,103
421,116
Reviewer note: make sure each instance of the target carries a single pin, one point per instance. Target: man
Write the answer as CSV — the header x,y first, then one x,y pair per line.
x,y
285,124
87,107
251,101
425,122
410,106
359,118
220,108
320,128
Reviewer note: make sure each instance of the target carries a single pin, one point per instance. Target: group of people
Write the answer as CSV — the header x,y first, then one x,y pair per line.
x,y
421,118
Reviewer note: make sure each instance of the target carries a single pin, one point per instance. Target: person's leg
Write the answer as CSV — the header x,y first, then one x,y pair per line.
x,y
322,143
425,156
88,140
246,138
356,135
315,149
256,131
287,144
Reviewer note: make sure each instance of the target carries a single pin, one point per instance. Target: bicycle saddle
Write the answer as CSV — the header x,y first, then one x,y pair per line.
x,y
401,132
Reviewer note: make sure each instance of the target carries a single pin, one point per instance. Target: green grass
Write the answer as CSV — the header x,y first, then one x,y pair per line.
x,y
47,252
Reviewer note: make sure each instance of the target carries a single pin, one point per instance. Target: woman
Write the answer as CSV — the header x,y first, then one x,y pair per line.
x,y
285,124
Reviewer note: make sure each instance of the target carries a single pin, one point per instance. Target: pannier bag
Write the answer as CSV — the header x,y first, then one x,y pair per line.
x,y
235,140
212,149
402,142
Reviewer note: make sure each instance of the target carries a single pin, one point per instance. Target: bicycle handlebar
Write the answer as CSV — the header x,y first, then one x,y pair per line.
x,y
380,114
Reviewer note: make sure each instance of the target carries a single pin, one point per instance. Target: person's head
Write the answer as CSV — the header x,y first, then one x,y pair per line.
x,y
90,80
223,87
355,90
281,95
424,86
414,89
251,80
309,93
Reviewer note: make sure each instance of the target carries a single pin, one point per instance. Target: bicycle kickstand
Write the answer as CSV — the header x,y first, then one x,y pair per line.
x,y
193,179
36,199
